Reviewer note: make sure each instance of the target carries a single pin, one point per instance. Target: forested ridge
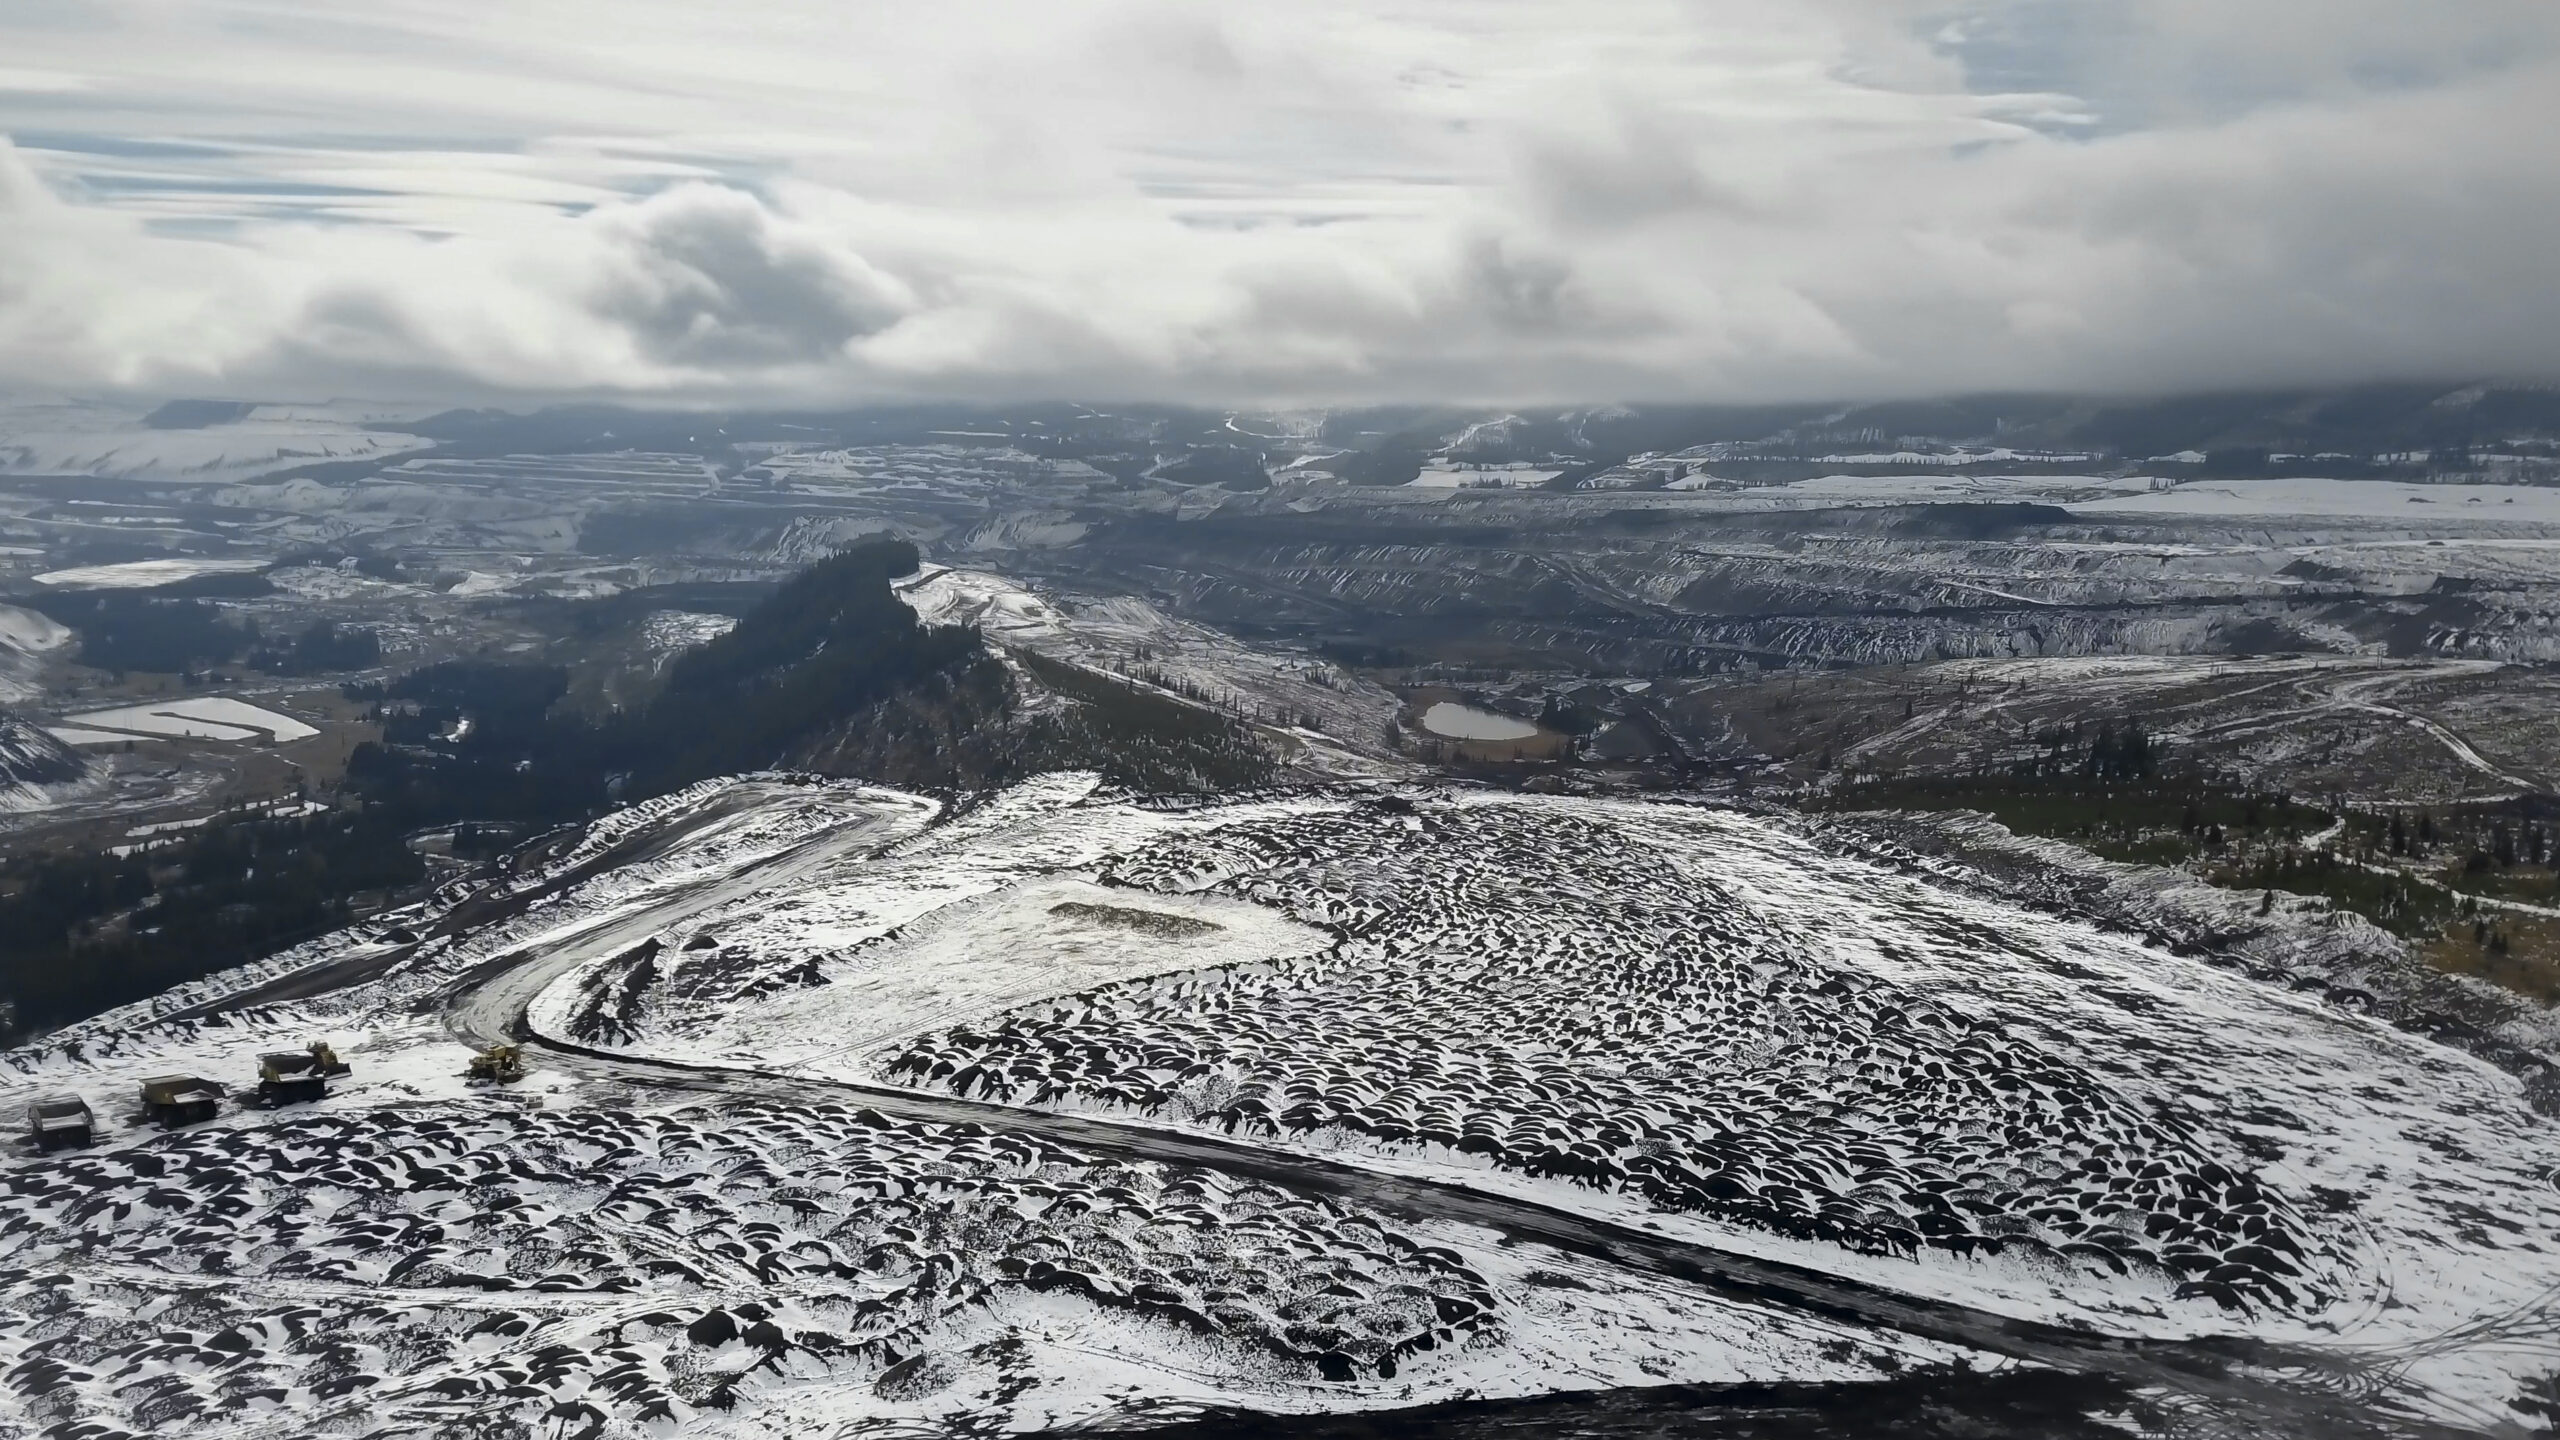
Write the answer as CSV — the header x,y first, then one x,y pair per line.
x,y
831,672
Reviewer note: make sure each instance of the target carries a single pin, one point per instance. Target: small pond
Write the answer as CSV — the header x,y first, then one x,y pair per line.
x,y
1452,721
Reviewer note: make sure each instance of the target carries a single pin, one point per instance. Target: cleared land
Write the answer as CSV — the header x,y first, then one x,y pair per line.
x,y
197,718
1685,1015
622,1256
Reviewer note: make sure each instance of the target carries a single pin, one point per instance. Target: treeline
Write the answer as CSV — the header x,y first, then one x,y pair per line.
x,y
85,933
2107,785
2109,751
831,670
2484,841
469,739
489,741
171,629
145,629
2404,906
1138,738
466,743
323,647
832,641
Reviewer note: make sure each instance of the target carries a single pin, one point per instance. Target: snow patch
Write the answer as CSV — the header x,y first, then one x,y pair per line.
x,y
142,574
203,717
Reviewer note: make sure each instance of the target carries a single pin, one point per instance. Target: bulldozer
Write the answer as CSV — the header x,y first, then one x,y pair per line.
x,y
57,1121
288,1077
170,1101
497,1065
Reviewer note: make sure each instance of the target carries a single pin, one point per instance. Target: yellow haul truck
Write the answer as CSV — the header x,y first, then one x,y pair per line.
x,y
170,1101
497,1065
289,1076
57,1121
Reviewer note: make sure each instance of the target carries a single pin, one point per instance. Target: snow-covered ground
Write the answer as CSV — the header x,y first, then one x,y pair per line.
x,y
1960,455
142,574
335,584
25,638
1929,489
2386,500
27,631
411,1252
1674,1016
1447,475
75,735
964,959
105,440
199,717
735,1269
480,582
38,771
668,631
1127,636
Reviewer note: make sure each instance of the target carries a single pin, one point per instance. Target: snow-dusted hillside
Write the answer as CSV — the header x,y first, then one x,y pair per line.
x,y
850,1107
35,768
593,1252
100,440
25,638
1128,636
651,1266
1668,1014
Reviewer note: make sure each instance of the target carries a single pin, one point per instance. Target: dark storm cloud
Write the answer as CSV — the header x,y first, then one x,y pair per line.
x,y
708,279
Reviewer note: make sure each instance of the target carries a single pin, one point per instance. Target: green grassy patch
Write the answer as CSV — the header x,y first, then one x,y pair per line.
x,y
2150,820
2401,904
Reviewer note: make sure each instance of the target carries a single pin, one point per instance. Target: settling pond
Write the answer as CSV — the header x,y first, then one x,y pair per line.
x,y
1452,721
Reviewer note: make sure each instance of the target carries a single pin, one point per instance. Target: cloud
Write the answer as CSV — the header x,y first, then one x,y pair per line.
x,y
40,82
708,278
1519,200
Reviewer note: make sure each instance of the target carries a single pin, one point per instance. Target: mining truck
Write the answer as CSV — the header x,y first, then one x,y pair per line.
x,y
57,1121
289,1076
169,1101
497,1065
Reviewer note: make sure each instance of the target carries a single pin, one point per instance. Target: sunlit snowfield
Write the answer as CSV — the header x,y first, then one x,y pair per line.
x,y
1683,1008
1684,1019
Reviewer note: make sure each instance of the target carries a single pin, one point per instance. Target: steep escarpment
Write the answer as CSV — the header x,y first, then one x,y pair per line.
x,y
33,764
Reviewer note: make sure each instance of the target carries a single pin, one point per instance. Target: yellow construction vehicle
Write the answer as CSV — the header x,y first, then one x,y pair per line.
x,y
289,1076
169,1101
497,1065
55,1121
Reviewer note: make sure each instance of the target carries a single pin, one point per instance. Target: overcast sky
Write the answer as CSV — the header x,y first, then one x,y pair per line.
x,y
1304,202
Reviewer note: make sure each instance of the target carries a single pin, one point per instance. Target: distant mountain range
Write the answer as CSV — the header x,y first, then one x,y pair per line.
x,y
2406,430
2363,423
